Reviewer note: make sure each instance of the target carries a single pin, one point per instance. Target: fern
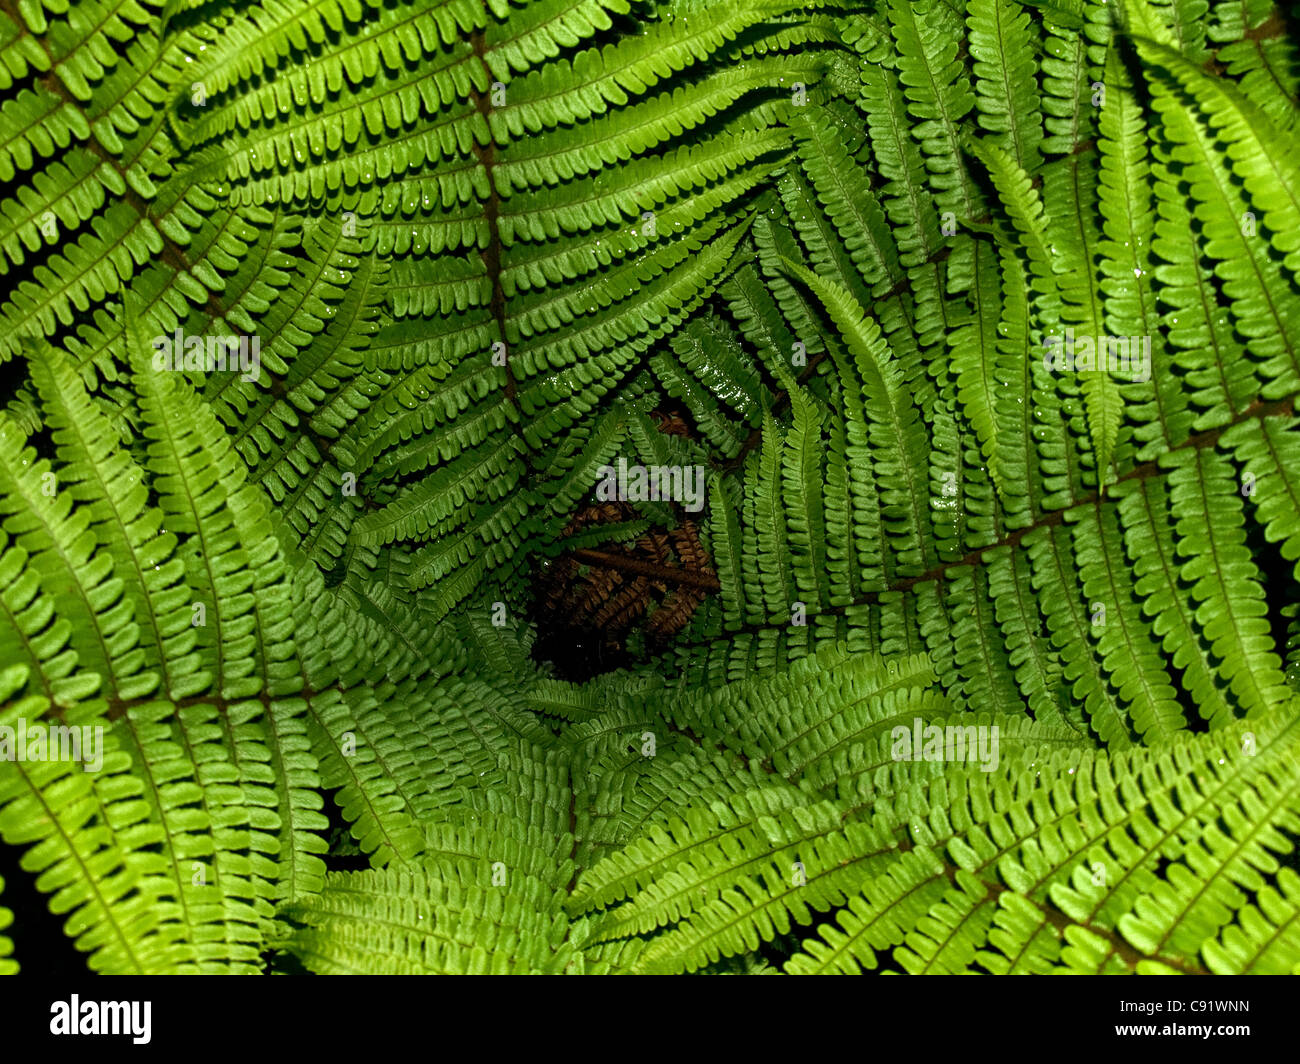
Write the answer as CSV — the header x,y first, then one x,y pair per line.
x,y
968,658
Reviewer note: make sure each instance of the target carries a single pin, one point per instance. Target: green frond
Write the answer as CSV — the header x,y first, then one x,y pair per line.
x,y
413,922
941,615
932,78
1263,156
8,966
1006,93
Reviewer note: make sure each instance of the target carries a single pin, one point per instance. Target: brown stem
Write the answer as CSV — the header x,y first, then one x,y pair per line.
x,y
703,580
